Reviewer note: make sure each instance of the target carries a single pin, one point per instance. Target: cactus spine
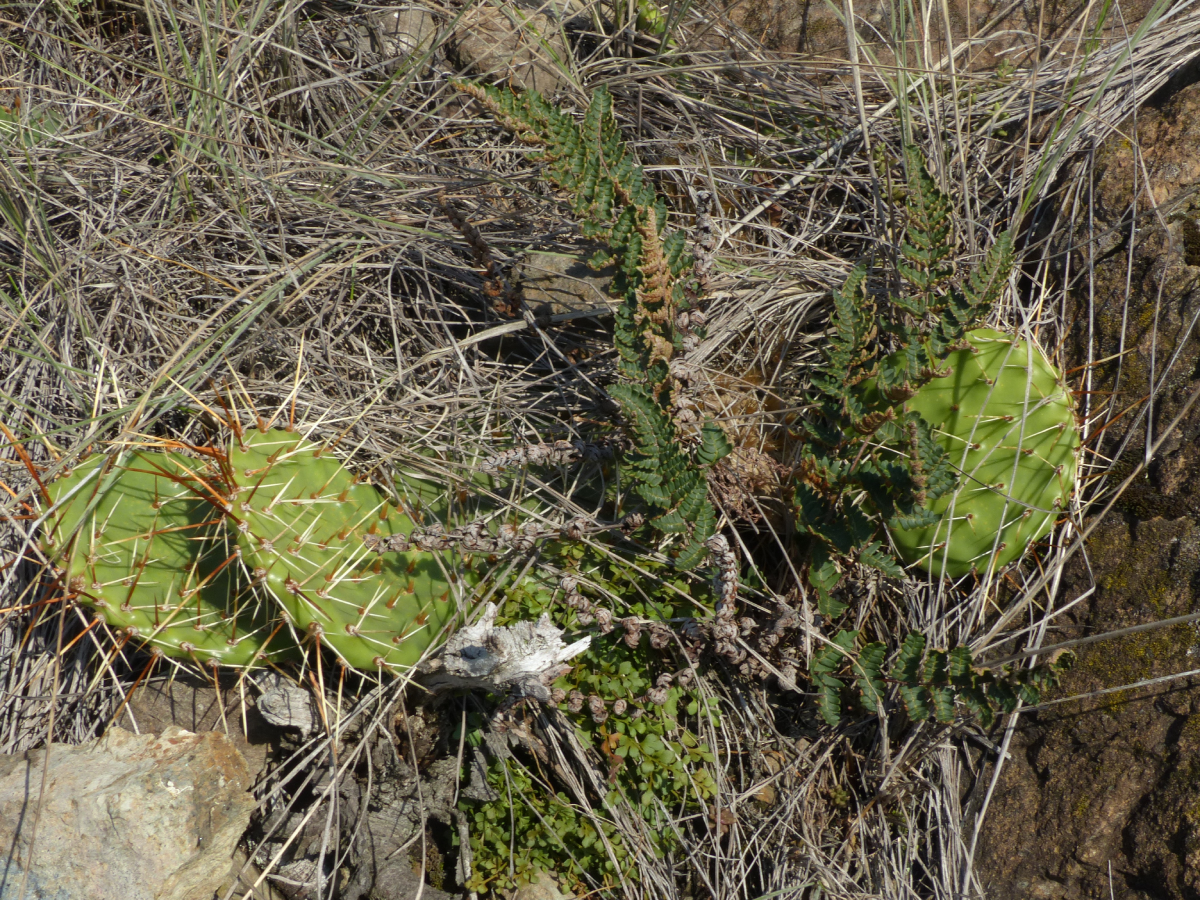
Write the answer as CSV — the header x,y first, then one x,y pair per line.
x,y
1006,423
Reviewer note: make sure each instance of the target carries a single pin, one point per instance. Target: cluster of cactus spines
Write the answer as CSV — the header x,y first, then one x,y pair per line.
x,y
930,683
1007,425
300,518
655,325
142,545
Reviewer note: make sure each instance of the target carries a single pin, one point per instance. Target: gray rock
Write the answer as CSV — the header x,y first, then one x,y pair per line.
x,y
287,705
516,46
397,881
405,30
478,788
240,881
389,833
125,817
557,283
391,36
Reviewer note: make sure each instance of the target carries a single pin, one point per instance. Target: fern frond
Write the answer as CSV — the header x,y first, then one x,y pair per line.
x,y
829,698
985,284
879,351
874,556
825,661
868,671
930,240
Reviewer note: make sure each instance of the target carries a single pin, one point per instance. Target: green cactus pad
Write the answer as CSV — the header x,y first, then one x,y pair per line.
x,y
300,517
146,550
1006,421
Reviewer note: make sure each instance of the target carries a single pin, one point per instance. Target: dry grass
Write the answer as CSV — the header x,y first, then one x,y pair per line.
x,y
204,196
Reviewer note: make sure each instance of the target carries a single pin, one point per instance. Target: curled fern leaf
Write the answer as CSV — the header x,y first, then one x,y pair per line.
x,y
1002,695
907,667
936,670
943,704
961,675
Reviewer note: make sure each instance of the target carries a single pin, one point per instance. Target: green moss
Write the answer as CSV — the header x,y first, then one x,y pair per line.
x,y
1131,659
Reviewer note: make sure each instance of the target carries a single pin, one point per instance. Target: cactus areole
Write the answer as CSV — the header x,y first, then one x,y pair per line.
x,y
1007,422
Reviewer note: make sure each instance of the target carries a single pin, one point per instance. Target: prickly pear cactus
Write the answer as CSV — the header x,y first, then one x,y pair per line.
x,y
300,517
1007,423
146,550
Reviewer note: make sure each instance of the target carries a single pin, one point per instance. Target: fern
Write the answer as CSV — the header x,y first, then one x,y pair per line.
x,y
616,204
868,672
825,662
865,461
930,683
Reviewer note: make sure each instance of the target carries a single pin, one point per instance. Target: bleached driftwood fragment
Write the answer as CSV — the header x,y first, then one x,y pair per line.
x,y
522,659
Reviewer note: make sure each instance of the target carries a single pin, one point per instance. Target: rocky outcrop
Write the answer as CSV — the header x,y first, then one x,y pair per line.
x,y
126,817
1100,798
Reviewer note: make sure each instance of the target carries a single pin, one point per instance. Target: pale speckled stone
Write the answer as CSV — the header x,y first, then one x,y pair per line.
x,y
125,817
544,887
512,45
557,283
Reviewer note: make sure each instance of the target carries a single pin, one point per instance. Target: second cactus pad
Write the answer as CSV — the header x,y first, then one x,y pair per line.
x,y
1007,423
300,516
